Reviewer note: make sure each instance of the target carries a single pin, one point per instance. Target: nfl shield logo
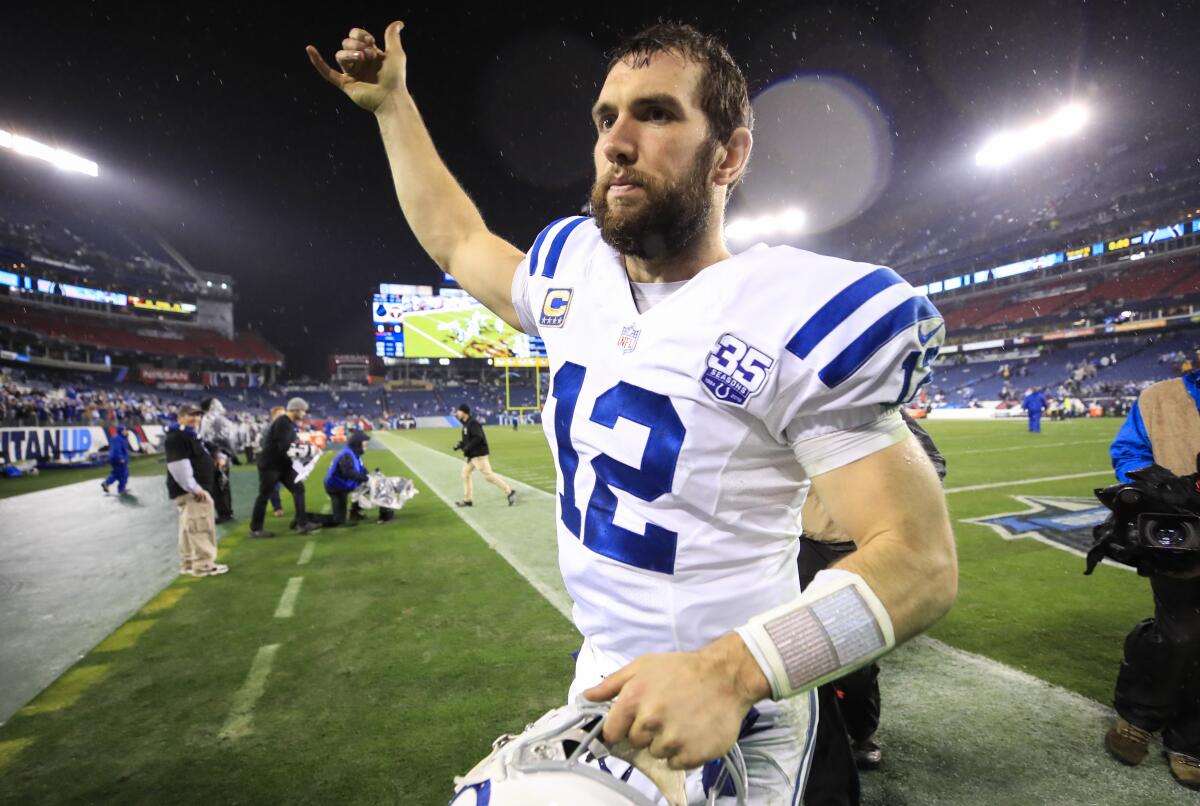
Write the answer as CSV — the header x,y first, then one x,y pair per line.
x,y
629,338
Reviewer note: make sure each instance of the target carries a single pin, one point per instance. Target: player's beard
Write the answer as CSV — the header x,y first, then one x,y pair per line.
x,y
667,220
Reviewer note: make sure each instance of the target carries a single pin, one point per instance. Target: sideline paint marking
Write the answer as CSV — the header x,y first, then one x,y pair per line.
x,y
66,690
164,601
306,555
125,636
1015,482
240,716
287,602
1044,445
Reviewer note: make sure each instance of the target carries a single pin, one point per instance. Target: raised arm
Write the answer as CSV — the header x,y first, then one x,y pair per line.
x,y
441,215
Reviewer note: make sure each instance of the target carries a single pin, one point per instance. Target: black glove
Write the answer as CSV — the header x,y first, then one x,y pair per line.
x,y
458,447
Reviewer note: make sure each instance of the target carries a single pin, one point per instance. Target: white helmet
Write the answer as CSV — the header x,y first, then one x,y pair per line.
x,y
548,765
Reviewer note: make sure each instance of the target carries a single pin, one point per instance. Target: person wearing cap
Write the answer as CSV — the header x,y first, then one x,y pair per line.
x,y
190,470
275,467
475,448
118,457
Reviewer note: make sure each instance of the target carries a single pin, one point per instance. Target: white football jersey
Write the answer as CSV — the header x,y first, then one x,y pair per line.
x,y
684,437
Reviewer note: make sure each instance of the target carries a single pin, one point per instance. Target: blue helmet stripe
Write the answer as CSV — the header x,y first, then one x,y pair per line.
x,y
839,309
887,327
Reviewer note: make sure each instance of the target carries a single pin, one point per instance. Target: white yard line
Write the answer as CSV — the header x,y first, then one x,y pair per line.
x,y
287,602
307,553
238,723
1043,445
1017,482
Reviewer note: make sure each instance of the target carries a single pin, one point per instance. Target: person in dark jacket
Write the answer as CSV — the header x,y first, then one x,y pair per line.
x,y
190,470
118,457
275,467
475,448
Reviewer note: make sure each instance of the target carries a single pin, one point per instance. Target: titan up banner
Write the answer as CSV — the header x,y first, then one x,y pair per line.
x,y
57,444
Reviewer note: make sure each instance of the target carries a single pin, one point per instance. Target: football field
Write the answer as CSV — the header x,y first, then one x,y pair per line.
x,y
371,665
469,333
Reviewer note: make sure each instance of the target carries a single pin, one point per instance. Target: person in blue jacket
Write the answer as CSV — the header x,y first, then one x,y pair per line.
x,y
118,457
346,473
1035,404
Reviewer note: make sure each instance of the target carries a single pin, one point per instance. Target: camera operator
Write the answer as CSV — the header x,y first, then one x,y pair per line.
x,y
1158,686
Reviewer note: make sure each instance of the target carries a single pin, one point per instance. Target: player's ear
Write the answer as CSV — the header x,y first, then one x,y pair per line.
x,y
734,157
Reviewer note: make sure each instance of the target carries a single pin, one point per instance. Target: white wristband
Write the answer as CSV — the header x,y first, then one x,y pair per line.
x,y
837,625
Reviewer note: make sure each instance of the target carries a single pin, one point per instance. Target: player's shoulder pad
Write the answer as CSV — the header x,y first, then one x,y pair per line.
x,y
559,243
849,313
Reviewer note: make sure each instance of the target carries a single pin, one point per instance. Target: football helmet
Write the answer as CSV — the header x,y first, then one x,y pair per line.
x,y
559,761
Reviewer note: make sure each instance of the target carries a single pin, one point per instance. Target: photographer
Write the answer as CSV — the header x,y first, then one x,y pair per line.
x,y
346,474
1158,686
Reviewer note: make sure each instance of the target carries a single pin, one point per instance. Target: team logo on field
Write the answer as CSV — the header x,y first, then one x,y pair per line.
x,y
555,307
1064,522
629,338
735,371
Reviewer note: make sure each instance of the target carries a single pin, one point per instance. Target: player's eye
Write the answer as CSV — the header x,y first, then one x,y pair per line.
x,y
605,122
657,114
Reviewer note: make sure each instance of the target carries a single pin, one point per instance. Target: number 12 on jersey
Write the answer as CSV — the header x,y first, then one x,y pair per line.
x,y
653,550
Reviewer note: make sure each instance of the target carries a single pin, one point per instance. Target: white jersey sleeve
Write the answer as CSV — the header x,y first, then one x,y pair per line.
x,y
541,261
866,350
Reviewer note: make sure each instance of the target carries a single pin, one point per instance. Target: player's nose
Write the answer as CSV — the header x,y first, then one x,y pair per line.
x,y
620,142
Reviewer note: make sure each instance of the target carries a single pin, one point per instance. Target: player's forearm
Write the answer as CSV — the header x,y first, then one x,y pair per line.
x,y
437,209
917,587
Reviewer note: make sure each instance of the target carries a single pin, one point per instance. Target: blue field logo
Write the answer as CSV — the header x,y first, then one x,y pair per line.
x,y
555,307
1064,522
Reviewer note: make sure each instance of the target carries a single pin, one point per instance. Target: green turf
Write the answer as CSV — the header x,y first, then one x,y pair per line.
x,y
414,644
138,466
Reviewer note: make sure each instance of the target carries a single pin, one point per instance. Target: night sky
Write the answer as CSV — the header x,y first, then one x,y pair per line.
x,y
253,166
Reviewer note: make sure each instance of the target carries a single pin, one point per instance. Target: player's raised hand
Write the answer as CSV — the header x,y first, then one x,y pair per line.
x,y
368,75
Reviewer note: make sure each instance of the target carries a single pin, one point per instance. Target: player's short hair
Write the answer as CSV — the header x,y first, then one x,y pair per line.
x,y
724,95
464,408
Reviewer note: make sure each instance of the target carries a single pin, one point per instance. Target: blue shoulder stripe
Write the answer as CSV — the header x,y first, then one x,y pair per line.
x,y
536,252
887,327
560,240
839,309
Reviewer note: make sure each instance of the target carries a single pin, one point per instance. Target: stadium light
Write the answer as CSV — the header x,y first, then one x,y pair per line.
x,y
63,160
1005,147
787,222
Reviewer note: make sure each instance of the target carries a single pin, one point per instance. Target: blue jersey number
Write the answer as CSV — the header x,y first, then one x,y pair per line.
x,y
654,549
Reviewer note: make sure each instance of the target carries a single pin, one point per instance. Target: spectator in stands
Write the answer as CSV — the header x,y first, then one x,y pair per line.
x,y
189,471
118,458
1158,686
275,467
1034,404
475,448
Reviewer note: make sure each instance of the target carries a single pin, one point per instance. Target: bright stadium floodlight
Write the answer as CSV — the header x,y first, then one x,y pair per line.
x,y
787,222
1005,147
63,160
